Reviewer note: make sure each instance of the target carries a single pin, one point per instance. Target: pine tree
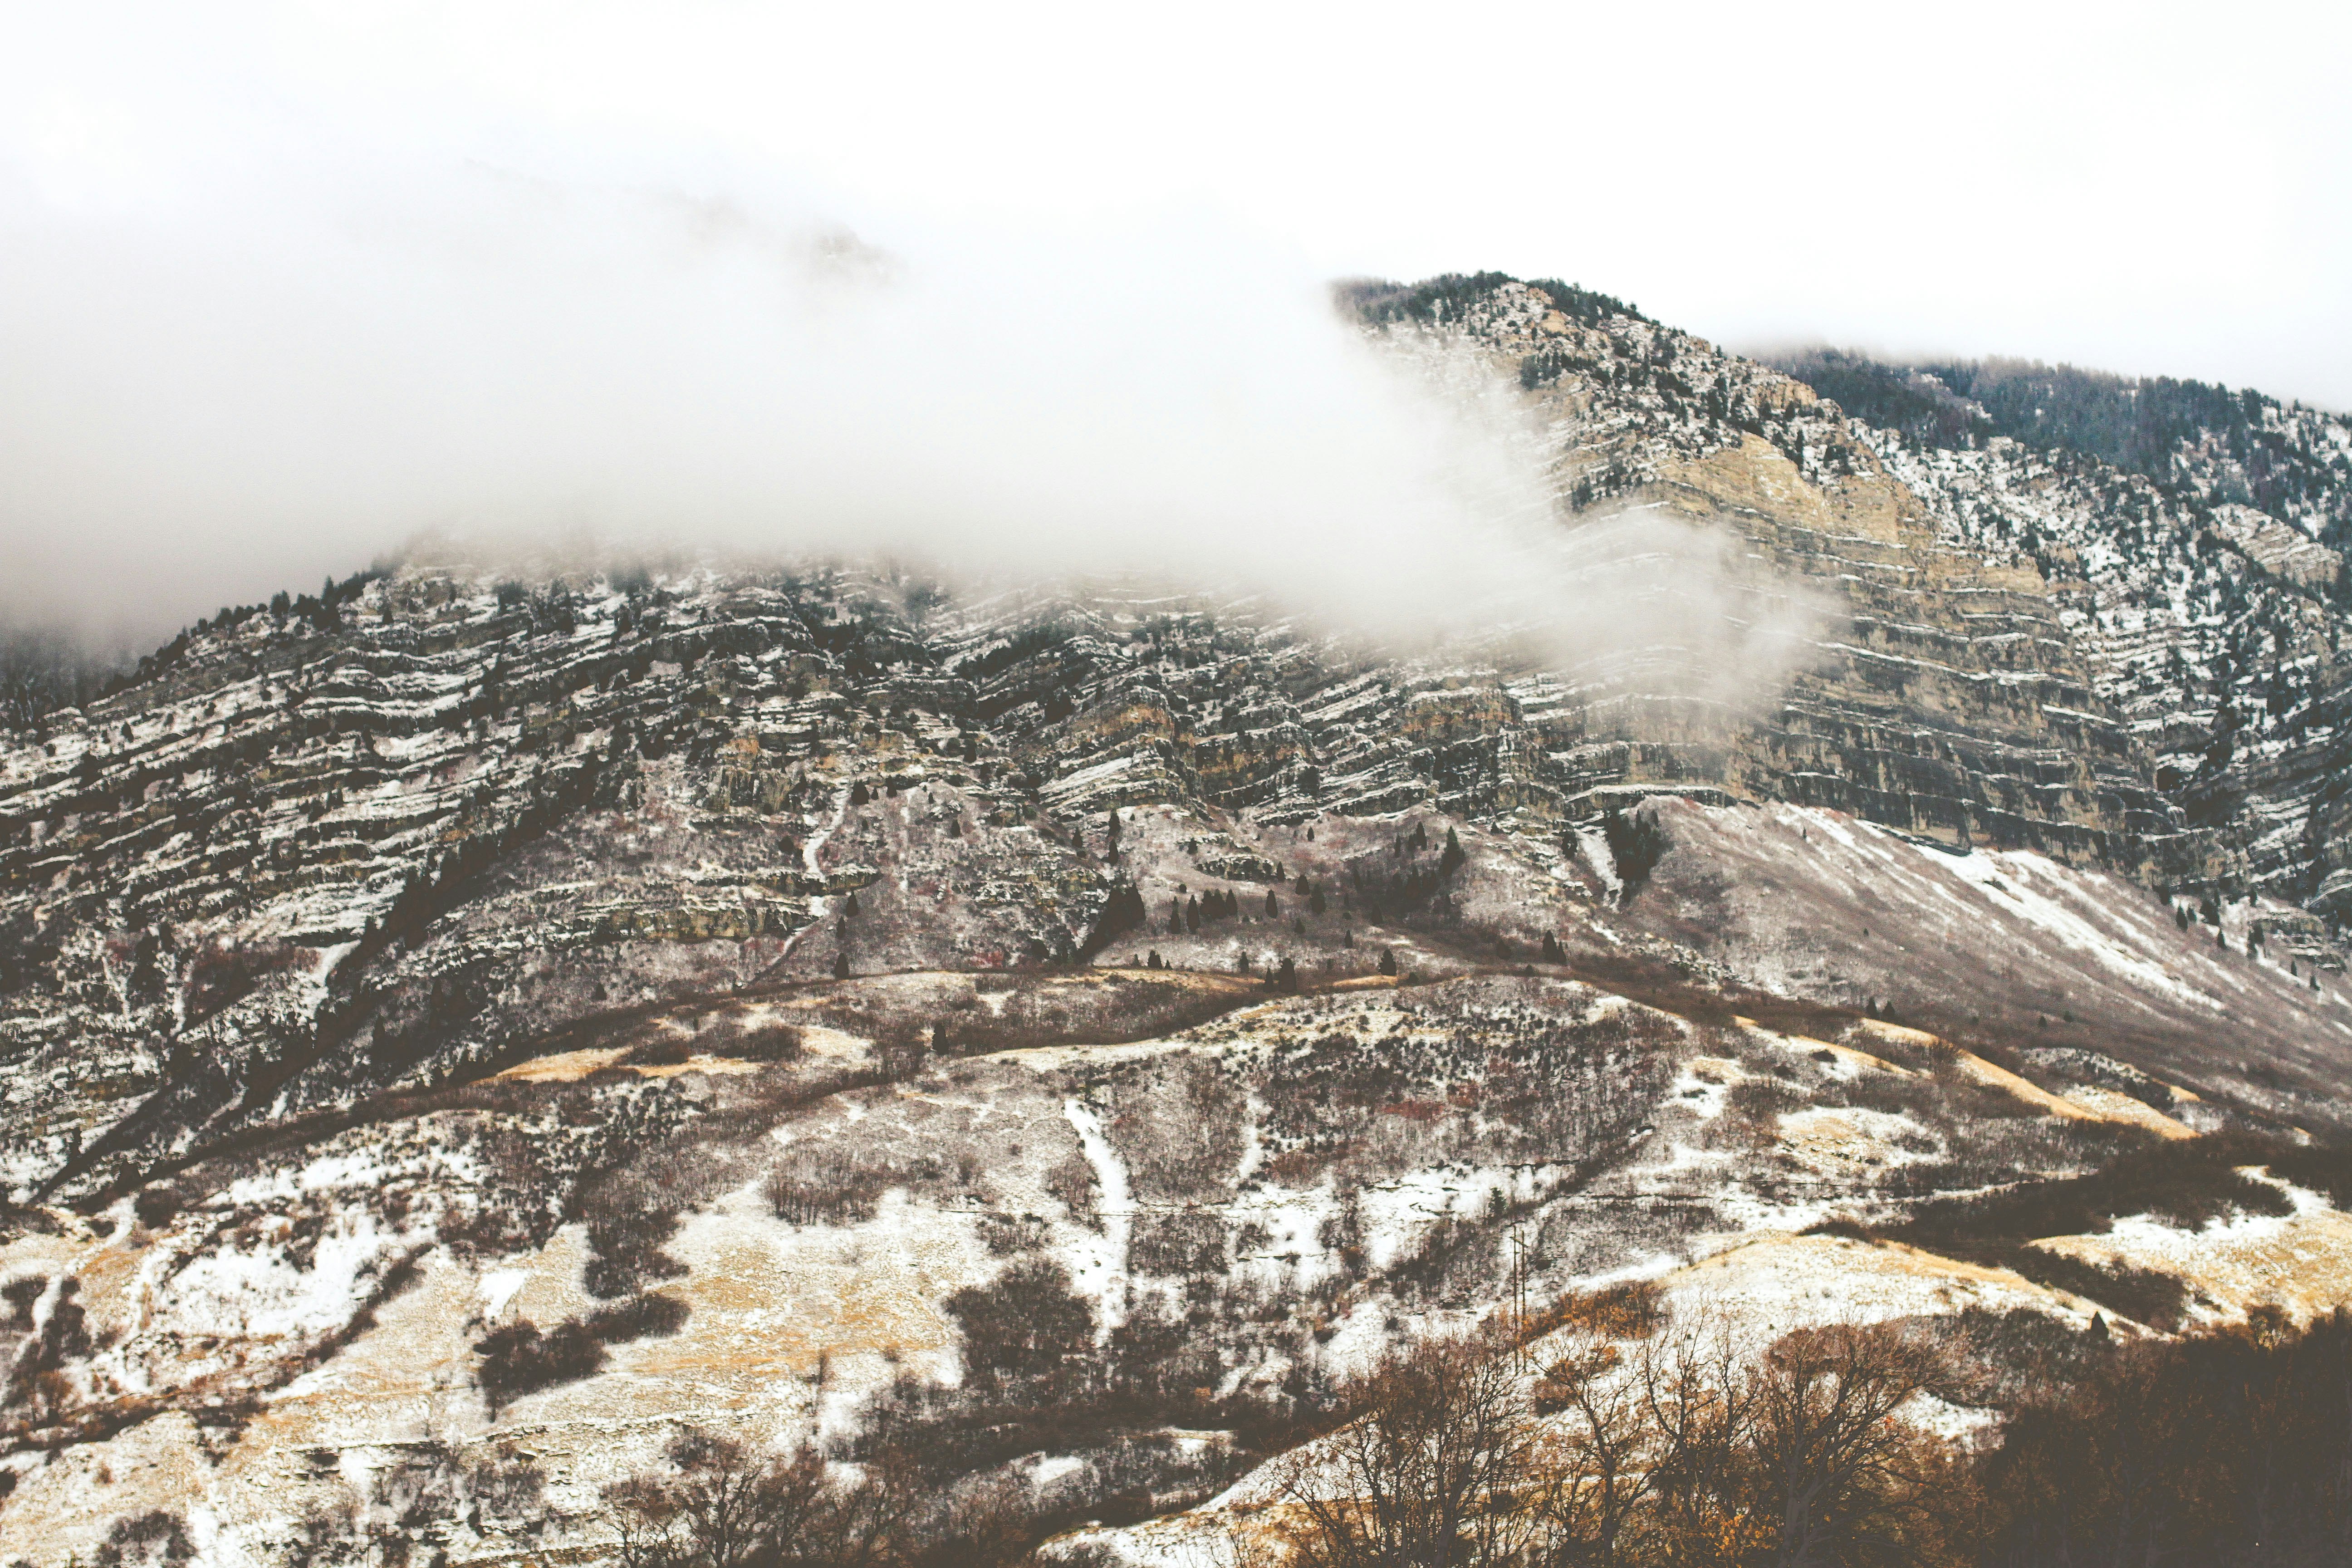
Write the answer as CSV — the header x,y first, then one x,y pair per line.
x,y
858,795
1388,961
1453,860
849,906
1552,953
1273,905
1123,912
841,965
1286,979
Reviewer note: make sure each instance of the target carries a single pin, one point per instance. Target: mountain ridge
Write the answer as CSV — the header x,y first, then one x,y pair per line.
x,y
469,1030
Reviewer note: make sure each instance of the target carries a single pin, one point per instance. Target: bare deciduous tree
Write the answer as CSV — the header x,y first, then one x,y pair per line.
x,y
1838,1469
1427,1475
1635,1444
723,1507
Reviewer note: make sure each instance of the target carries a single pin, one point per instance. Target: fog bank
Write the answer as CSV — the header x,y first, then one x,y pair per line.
x,y
194,410
202,405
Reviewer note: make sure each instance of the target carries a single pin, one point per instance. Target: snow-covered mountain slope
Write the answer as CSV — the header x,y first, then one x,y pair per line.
x,y
460,1035
1223,1221
2161,629
2010,946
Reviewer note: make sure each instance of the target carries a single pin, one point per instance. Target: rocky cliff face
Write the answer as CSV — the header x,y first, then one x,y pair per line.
x,y
2193,537
1961,684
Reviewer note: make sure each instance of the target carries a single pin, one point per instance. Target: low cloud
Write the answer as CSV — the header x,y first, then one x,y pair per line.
x,y
199,407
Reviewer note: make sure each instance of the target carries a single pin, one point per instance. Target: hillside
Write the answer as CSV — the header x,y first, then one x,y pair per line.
x,y
468,1031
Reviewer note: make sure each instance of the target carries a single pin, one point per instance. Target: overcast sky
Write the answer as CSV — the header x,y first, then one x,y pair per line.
x,y
284,201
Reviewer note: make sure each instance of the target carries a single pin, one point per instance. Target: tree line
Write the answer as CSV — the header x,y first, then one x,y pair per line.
x,y
1610,1432
1639,1438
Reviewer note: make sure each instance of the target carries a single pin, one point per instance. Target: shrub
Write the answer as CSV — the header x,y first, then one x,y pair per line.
x,y
832,1183
1188,1241
155,1205
1072,1181
517,1359
669,1050
629,1216
2189,1185
156,1537
1761,1099
650,1317
1023,1325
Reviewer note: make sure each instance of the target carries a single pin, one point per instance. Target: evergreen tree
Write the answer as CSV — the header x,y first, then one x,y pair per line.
x,y
1273,905
841,965
1453,860
1122,912
1287,978
1552,953
1388,961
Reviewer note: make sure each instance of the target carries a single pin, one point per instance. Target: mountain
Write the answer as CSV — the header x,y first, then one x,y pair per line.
x,y
481,1040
